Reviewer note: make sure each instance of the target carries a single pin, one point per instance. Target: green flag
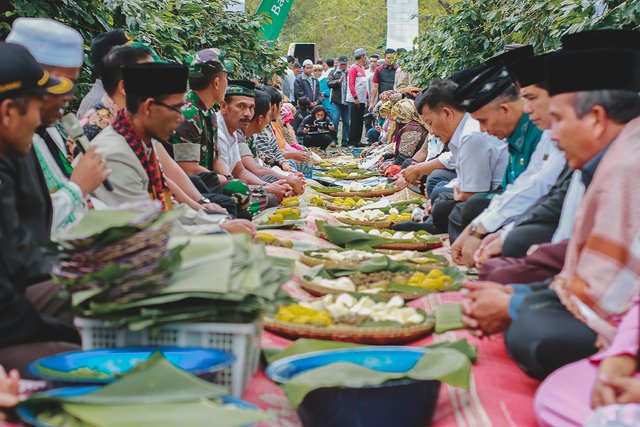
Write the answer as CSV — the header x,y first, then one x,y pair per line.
x,y
278,10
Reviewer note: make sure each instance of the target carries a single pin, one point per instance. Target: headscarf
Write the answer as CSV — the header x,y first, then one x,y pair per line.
x,y
404,111
287,113
390,95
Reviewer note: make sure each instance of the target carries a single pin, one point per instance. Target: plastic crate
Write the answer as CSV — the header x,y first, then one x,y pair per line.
x,y
241,339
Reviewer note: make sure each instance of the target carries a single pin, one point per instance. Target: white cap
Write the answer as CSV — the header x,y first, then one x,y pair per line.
x,y
50,42
307,62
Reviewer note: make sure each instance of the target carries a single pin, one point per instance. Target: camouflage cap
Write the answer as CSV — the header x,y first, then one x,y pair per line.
x,y
211,56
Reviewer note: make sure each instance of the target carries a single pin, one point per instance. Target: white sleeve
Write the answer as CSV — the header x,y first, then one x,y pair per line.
x,y
572,201
447,160
546,164
65,202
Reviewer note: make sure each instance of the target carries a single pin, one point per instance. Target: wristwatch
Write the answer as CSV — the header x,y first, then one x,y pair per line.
x,y
475,233
204,200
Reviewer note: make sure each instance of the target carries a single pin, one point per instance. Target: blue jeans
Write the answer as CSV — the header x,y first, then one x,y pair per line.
x,y
438,176
340,111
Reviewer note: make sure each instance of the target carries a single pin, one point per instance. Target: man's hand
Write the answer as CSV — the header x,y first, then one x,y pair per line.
x,y
296,184
490,247
356,101
237,226
456,247
287,167
485,307
278,190
627,389
412,174
610,385
9,389
214,207
469,250
400,182
299,156
90,172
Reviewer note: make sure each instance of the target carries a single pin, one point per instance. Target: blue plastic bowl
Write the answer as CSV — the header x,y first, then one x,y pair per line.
x,y
31,418
117,361
398,403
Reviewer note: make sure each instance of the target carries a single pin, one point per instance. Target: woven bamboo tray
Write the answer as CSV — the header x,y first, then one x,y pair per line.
x,y
329,263
319,291
354,334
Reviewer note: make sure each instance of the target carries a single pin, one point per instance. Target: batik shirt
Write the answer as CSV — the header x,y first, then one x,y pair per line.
x,y
196,138
99,117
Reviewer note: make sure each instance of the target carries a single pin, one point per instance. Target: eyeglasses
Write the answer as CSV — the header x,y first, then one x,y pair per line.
x,y
175,109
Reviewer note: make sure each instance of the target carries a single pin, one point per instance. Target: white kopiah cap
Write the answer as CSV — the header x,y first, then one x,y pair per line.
x,y
50,42
307,62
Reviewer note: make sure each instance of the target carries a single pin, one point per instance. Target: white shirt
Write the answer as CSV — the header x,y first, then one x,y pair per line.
x,y
227,144
572,201
542,172
480,159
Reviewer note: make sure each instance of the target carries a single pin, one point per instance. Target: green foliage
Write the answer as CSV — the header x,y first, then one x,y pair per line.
x,y
478,29
173,28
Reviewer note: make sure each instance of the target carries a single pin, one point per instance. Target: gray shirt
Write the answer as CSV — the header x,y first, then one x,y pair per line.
x,y
480,159
92,98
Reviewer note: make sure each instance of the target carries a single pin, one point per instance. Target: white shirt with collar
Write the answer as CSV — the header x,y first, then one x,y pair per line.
x,y
480,159
227,144
542,172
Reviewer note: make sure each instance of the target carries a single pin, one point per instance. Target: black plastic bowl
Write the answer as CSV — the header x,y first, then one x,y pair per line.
x,y
402,403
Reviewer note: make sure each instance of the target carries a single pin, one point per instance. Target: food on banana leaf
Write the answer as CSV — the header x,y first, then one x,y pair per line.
x,y
346,309
348,257
389,282
374,215
316,201
349,203
353,174
291,202
270,240
397,235
284,214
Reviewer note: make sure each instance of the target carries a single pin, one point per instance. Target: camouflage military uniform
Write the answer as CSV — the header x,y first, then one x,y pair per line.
x,y
196,138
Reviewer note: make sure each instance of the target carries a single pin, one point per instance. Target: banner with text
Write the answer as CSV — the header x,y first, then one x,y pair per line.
x,y
402,23
278,10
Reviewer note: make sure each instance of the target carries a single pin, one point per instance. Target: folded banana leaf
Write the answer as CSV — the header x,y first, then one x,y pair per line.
x,y
448,317
155,393
351,239
447,365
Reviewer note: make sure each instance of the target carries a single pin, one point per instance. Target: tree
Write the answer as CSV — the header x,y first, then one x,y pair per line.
x,y
173,28
478,29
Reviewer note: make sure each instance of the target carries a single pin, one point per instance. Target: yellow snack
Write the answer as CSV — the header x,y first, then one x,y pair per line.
x,y
276,218
436,280
296,313
291,202
316,201
289,213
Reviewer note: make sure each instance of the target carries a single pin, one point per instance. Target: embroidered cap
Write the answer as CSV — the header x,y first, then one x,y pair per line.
x,y
49,41
482,89
242,88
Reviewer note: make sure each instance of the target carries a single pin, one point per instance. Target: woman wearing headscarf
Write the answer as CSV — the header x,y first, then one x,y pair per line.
x,y
411,131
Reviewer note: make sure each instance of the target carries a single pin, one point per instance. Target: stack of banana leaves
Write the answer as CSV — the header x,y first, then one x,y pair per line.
x,y
212,278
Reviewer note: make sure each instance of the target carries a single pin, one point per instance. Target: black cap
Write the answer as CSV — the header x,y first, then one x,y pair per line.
x,y
597,69
155,78
597,39
463,76
482,89
20,75
343,59
532,70
510,56
104,42
389,50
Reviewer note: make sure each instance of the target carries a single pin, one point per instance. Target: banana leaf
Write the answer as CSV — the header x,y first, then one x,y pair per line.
x,y
444,364
351,239
154,393
448,317
308,345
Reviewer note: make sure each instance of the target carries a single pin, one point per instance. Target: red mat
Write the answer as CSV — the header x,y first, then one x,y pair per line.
x,y
500,394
